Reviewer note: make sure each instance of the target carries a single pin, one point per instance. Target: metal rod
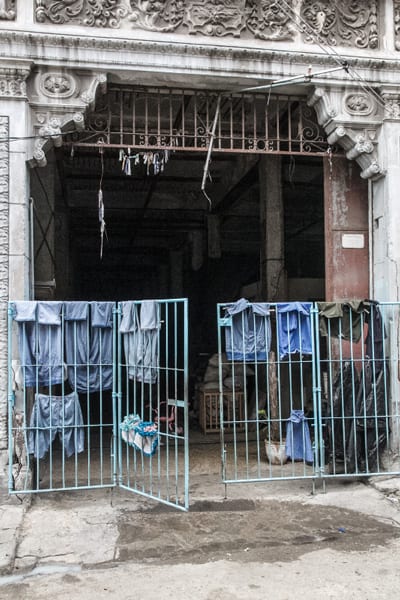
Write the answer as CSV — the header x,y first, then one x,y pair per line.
x,y
302,79
210,146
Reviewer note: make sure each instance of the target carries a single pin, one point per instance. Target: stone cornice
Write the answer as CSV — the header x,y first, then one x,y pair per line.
x,y
32,41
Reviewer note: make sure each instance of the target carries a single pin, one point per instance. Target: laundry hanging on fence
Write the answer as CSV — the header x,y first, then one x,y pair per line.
x,y
248,333
374,341
342,319
294,328
140,326
89,345
298,442
141,435
52,415
40,342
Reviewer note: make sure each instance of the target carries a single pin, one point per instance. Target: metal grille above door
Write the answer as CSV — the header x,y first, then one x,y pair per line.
x,y
177,119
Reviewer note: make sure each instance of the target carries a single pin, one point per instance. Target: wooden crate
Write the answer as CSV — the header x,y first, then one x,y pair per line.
x,y
209,410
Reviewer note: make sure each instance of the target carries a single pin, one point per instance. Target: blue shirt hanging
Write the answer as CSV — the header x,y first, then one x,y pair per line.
x,y
248,335
294,328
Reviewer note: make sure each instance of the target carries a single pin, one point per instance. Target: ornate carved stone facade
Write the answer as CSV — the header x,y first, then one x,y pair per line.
x,y
396,13
392,104
351,121
8,10
91,13
262,19
62,102
13,82
341,23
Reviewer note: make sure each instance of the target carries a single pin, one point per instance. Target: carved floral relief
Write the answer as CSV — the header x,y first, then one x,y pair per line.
x,y
396,12
91,13
8,10
263,19
341,23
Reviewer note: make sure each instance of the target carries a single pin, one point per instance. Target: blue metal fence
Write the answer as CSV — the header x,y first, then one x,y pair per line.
x,y
308,390
88,382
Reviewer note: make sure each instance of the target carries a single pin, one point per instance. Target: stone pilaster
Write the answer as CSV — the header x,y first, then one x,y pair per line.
x,y
4,267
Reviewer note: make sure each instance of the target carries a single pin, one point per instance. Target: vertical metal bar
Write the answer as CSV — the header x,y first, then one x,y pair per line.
x,y
121,117
186,397
243,121
11,399
220,378
183,120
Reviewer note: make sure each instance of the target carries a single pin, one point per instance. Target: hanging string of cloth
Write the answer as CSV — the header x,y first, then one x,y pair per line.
x,y
153,161
101,205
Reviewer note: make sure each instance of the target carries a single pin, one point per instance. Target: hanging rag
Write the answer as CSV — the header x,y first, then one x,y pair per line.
x,y
141,435
248,332
342,319
40,342
294,328
141,326
298,442
88,345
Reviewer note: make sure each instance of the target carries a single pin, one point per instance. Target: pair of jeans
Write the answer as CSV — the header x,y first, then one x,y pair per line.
x,y
52,415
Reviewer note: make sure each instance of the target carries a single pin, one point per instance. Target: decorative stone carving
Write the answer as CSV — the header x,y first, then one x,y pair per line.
x,y
89,96
349,132
8,11
392,105
266,20
341,23
62,111
91,13
13,82
358,104
262,19
215,17
396,12
57,84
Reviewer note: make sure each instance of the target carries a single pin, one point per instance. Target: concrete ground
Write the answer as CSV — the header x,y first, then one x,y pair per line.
x,y
273,540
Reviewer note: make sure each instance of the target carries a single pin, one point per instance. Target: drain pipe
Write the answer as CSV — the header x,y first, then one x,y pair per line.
x,y
210,146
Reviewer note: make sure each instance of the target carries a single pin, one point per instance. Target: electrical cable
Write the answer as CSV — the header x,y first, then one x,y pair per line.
x,y
305,27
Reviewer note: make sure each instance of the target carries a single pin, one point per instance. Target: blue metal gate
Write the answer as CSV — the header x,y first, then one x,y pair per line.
x,y
308,390
98,397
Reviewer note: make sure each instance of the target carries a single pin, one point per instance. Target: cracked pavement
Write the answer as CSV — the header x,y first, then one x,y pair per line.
x,y
275,537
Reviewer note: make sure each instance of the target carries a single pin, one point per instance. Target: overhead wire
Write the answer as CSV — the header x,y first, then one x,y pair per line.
x,y
305,27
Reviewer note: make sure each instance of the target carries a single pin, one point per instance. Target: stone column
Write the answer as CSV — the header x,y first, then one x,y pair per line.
x,y
385,220
14,216
273,274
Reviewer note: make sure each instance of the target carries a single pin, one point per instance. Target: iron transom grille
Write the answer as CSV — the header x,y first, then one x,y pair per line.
x,y
172,119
